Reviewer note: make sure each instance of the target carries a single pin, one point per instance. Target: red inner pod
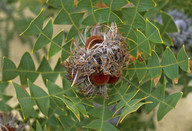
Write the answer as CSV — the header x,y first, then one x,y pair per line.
x,y
99,78
92,41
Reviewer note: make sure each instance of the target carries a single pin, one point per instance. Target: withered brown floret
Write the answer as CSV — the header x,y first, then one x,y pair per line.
x,y
104,53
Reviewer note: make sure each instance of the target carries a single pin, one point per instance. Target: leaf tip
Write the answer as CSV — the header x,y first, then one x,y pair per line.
x,y
175,80
155,4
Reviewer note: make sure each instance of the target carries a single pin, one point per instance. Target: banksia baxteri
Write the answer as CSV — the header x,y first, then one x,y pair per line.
x,y
10,123
98,62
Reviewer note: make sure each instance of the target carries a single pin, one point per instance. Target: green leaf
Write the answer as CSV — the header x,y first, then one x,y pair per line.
x,y
25,101
133,18
55,48
143,5
85,5
66,47
3,86
156,97
169,64
97,112
67,19
152,32
133,48
67,87
102,15
131,71
143,43
101,126
45,36
27,64
60,68
71,107
154,62
66,4
168,105
41,98
155,73
9,69
35,25
141,70
38,126
44,68
115,4
166,39
77,102
168,22
128,32
56,93
183,59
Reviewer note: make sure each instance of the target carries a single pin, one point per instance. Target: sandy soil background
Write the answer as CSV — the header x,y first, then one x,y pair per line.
x,y
179,119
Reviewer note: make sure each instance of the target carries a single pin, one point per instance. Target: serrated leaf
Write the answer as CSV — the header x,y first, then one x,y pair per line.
x,y
27,64
100,125
55,48
168,22
25,102
41,98
141,70
143,43
144,5
169,64
45,67
45,36
9,70
152,32
183,60
35,25
168,104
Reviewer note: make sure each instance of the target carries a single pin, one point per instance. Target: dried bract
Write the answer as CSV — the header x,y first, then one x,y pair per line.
x,y
99,62
10,123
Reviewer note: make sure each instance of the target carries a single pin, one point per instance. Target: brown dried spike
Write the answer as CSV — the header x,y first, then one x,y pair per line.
x,y
92,41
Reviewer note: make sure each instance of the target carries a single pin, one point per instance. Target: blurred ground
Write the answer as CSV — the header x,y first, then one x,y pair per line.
x,y
179,119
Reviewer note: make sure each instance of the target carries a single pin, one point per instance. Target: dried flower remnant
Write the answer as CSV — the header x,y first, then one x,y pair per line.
x,y
99,62
10,123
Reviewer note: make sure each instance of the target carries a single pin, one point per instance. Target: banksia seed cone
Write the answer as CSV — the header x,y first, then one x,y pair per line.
x,y
97,63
